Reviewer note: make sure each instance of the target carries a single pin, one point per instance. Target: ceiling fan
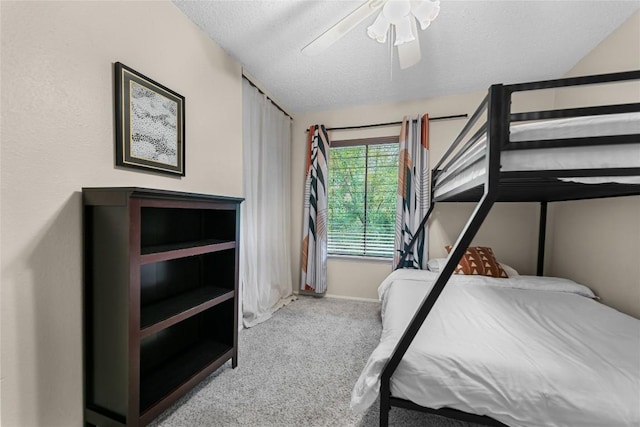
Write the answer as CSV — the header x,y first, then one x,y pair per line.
x,y
396,18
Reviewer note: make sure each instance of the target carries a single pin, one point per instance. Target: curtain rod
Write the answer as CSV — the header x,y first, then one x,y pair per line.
x,y
270,100
456,116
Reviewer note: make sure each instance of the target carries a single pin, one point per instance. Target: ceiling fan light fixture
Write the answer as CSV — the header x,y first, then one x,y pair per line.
x,y
379,29
398,14
424,24
395,10
425,11
404,33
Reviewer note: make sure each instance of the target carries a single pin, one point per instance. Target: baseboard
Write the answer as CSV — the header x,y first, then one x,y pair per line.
x,y
336,297
351,298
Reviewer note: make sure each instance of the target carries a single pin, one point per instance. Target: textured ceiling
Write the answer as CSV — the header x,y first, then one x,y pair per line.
x,y
471,45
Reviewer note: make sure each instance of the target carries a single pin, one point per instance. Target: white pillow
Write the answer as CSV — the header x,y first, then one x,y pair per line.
x,y
511,272
437,264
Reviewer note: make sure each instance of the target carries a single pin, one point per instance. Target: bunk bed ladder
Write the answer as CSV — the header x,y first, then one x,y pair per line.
x,y
498,131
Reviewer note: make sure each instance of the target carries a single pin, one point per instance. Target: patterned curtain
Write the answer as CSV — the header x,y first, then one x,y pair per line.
x,y
413,191
314,242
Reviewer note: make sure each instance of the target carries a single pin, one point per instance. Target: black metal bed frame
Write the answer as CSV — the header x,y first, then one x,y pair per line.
x,y
494,185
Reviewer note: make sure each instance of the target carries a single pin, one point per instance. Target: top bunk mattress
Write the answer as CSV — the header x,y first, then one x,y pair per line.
x,y
560,158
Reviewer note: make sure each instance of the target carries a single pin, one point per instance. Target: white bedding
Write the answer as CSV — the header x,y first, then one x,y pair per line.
x,y
586,157
526,351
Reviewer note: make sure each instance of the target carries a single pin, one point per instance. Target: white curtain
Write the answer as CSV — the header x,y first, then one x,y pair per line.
x,y
265,259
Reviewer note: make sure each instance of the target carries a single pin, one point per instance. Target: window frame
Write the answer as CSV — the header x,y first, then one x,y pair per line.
x,y
380,140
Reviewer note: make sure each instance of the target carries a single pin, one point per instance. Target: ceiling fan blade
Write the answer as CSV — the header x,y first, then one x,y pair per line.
x,y
409,53
348,23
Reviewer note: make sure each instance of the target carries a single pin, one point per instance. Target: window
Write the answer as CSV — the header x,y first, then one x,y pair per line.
x,y
363,182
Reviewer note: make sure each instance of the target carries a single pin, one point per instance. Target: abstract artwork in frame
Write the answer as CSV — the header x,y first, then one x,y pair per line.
x,y
149,124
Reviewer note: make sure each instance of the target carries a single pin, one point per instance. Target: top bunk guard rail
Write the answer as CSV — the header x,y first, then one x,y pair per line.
x,y
453,148
472,121
575,81
516,185
497,105
472,142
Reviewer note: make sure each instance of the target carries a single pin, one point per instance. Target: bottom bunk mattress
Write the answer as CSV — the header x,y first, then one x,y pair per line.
x,y
526,351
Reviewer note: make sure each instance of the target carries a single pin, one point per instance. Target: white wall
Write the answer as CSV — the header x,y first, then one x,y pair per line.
x,y
596,242
57,136
511,229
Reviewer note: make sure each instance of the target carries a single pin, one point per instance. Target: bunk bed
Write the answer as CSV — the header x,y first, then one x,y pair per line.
x,y
535,156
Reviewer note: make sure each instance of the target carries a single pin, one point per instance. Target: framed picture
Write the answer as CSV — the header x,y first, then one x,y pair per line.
x,y
149,124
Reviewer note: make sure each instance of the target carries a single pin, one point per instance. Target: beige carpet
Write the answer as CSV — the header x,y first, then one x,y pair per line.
x,y
296,369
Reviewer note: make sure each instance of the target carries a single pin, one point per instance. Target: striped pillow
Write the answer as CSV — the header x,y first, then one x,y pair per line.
x,y
479,260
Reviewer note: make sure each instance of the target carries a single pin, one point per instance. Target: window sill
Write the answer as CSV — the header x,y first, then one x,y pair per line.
x,y
378,260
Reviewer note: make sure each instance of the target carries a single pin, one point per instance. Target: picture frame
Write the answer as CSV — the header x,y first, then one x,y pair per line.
x,y
149,120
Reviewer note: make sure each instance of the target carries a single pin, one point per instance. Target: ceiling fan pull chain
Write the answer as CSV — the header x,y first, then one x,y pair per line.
x,y
390,41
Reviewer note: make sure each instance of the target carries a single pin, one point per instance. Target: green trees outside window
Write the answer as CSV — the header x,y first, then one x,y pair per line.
x,y
363,181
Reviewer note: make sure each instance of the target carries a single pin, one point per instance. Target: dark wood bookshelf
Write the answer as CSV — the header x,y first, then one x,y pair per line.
x,y
160,298
165,313
159,383
177,250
